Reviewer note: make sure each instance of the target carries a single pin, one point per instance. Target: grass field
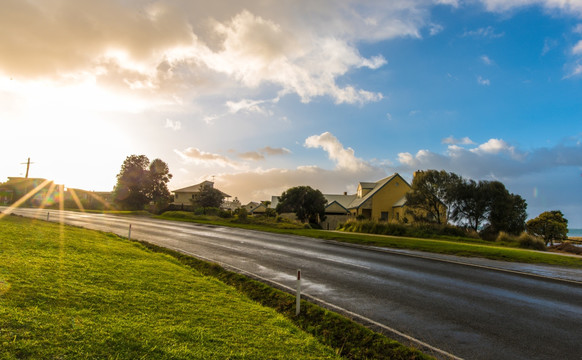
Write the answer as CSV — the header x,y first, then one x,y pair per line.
x,y
69,293
469,247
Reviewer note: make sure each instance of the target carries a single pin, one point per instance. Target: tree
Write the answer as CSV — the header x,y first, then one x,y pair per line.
x,y
208,196
131,190
549,225
306,202
431,194
139,183
471,203
159,176
507,212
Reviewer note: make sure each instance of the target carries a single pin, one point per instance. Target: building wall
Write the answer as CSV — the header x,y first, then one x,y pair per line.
x,y
182,198
384,200
333,220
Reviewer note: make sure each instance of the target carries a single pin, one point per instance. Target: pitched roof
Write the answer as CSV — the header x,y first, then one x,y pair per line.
x,y
343,200
329,208
196,188
401,202
377,186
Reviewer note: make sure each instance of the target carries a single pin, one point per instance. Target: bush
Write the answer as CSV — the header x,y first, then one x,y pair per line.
x,y
225,214
528,241
242,214
504,237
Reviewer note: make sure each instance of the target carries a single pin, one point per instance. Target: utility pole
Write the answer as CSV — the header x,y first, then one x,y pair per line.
x,y
27,167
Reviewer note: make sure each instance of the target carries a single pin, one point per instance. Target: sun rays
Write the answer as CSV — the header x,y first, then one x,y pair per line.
x,y
48,195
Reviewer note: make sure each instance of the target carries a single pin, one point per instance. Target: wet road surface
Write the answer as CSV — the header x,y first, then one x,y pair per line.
x,y
471,312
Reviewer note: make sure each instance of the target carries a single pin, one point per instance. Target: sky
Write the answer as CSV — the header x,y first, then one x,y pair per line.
x,y
259,96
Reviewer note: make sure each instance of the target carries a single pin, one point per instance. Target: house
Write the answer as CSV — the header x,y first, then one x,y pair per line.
x,y
37,191
250,206
183,197
94,200
382,200
232,205
260,209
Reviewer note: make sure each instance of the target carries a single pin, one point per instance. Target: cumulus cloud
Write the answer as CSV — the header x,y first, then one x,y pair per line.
x,y
263,153
200,157
166,48
453,141
574,7
495,158
262,184
344,158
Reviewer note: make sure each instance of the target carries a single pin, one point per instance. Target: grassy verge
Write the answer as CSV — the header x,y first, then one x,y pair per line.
x,y
71,293
449,245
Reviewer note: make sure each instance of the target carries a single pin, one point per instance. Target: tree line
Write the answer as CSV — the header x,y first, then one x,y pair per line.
x,y
484,206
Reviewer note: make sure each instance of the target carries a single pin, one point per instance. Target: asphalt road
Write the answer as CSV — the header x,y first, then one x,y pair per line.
x,y
471,312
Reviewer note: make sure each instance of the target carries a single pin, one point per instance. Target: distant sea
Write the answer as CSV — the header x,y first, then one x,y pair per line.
x,y
574,232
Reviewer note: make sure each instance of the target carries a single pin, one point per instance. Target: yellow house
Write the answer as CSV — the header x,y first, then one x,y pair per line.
x,y
382,200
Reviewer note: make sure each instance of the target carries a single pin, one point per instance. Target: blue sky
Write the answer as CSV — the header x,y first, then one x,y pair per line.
x,y
261,96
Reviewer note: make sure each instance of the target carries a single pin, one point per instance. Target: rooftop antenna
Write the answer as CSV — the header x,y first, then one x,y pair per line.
x,y
27,167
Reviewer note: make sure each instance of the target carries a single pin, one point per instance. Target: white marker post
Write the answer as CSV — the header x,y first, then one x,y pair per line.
x,y
129,234
298,305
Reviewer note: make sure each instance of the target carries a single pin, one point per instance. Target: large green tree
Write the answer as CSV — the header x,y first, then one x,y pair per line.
x,y
159,176
207,197
507,211
431,194
471,203
549,225
306,202
488,204
140,182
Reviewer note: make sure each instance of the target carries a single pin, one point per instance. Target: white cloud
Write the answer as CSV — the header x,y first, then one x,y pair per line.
x,y
168,50
200,157
567,6
263,153
482,81
250,106
434,29
174,125
453,141
494,158
345,159
486,60
486,32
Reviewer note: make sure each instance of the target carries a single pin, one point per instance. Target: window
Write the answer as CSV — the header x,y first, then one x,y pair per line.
x,y
384,215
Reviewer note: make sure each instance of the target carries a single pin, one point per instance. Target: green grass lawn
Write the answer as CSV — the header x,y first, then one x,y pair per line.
x,y
70,293
468,247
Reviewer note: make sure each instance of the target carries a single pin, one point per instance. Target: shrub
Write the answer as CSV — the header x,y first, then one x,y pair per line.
x,y
242,214
528,241
225,214
504,237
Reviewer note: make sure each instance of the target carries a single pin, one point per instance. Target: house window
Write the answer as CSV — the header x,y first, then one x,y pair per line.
x,y
384,216
397,216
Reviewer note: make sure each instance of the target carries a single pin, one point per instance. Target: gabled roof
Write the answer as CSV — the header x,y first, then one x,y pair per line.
x,y
377,186
343,200
401,202
196,188
367,185
334,204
